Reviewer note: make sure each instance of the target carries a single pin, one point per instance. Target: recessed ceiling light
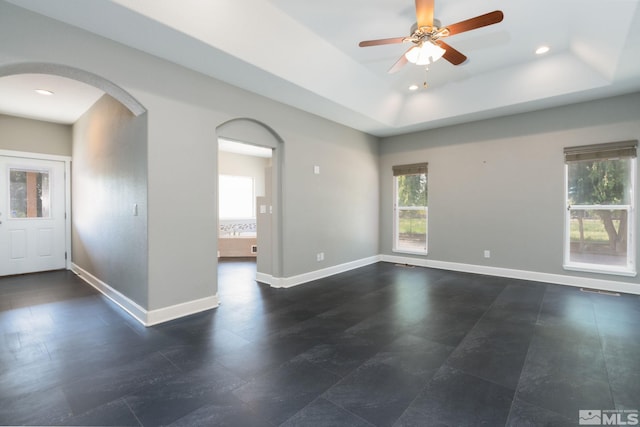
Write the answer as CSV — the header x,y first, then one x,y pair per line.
x,y
413,87
44,92
542,50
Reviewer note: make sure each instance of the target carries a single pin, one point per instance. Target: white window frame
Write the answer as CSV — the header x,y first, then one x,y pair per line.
x,y
396,222
628,270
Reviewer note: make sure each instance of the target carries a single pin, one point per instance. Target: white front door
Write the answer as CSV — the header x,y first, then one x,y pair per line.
x,y
32,215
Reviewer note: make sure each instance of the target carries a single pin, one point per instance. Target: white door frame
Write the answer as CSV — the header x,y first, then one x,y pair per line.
x,y
67,191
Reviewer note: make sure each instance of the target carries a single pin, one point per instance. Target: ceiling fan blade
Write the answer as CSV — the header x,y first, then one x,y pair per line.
x,y
379,42
399,64
424,13
452,55
477,22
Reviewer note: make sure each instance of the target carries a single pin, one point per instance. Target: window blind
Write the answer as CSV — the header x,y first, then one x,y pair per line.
x,y
611,150
414,169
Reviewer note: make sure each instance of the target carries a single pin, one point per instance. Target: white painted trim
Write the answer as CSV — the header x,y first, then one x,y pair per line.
x,y
172,312
37,156
128,305
591,268
288,282
152,317
558,279
67,211
264,278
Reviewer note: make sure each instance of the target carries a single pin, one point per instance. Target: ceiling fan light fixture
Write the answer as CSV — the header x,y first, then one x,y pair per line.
x,y
424,53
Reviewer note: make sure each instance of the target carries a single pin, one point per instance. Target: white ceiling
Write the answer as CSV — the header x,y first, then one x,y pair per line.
x,y
306,54
244,149
70,99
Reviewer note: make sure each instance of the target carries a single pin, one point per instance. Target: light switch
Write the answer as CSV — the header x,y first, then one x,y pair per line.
x,y
316,170
263,209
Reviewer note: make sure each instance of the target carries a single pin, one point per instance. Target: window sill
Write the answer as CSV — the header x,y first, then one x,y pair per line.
x,y
589,268
408,252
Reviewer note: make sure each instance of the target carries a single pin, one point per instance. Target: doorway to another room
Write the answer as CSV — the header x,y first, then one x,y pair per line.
x,y
244,209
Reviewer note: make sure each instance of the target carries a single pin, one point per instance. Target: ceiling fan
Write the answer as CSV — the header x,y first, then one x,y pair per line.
x,y
427,45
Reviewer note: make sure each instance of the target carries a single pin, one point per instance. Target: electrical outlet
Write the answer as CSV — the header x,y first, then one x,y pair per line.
x,y
320,256
487,253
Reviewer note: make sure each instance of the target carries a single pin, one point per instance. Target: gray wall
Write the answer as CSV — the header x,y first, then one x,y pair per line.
x,y
499,184
34,136
335,212
109,176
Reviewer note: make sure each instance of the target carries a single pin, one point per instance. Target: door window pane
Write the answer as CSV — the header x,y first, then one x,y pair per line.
x,y
29,192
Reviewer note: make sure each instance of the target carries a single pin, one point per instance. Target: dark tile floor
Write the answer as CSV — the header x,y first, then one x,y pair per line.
x,y
382,345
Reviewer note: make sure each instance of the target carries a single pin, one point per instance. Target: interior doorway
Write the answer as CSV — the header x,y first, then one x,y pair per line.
x,y
244,203
269,211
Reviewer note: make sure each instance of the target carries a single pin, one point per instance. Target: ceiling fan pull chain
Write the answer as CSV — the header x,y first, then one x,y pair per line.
x,y
424,84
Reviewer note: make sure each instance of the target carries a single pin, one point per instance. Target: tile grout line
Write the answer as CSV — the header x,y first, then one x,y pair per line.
x,y
171,362
322,396
452,351
345,409
535,324
604,357
132,411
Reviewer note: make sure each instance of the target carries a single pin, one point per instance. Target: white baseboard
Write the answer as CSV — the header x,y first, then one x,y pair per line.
x,y
128,305
558,279
147,318
288,282
172,312
154,317
264,278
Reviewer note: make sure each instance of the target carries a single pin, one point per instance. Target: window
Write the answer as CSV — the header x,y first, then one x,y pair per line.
x,y
600,216
236,197
410,210
29,194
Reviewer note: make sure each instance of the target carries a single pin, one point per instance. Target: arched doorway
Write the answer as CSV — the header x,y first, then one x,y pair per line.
x,y
254,132
103,253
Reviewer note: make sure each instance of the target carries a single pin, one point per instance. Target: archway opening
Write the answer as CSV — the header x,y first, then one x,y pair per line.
x,y
268,206
108,208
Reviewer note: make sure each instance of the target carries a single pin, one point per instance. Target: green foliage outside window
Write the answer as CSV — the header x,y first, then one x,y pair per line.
x,y
412,190
600,182
412,223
